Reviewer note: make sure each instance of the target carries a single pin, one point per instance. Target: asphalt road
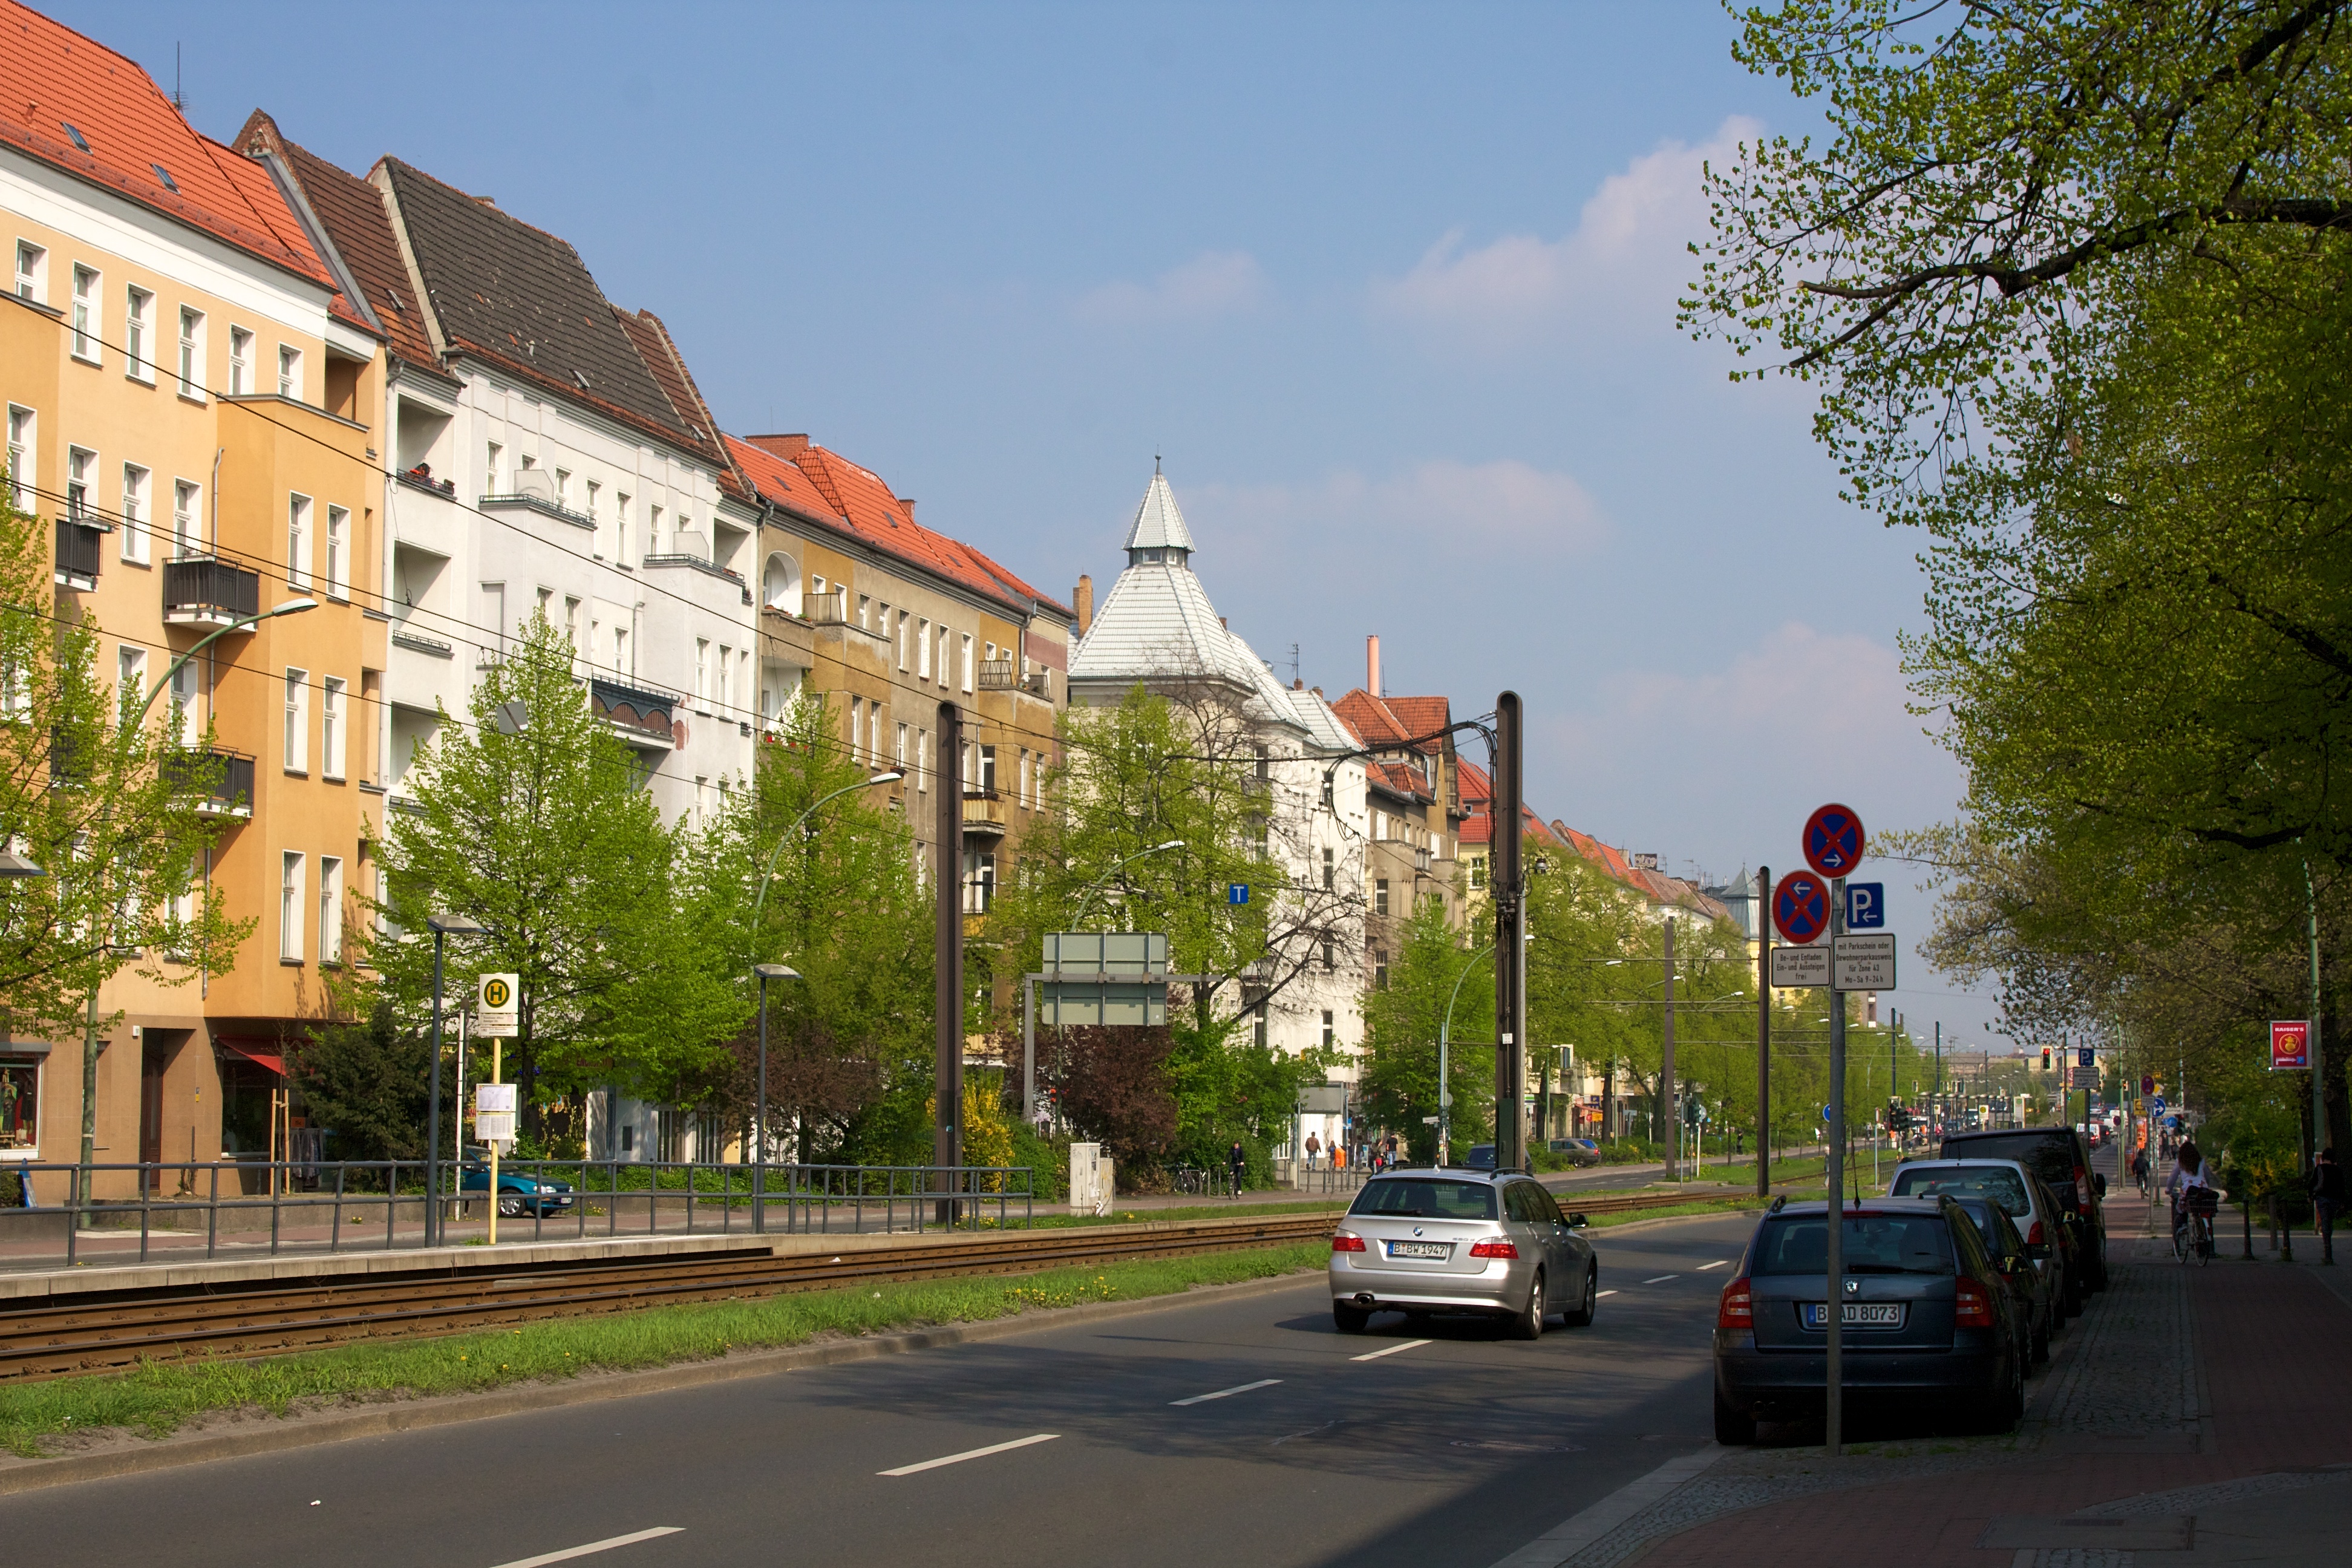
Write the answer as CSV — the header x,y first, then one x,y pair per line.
x,y
1454,1451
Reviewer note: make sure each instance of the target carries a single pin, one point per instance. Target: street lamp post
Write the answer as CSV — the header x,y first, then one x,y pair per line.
x,y
766,972
1445,1034
443,928
1096,886
893,776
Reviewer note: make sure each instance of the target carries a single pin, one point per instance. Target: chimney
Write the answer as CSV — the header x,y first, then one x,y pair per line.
x,y
908,502
1317,689
1372,664
785,446
1221,625
1084,600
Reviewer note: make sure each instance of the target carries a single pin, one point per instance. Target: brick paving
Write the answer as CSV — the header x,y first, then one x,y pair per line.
x,y
2222,1390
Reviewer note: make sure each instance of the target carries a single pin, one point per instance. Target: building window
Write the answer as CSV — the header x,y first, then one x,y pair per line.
x,y
1257,1027
1380,896
857,724
1331,872
240,360
79,466
1022,785
898,754
595,518
702,677
865,612
331,728
289,907
1477,872
32,268
297,721
923,653
85,307
21,461
621,522
979,880
134,334
490,456
563,488
290,371
899,637
131,673
1330,1036
967,661
339,568
134,514
572,625
331,909
620,651
988,771
1327,959
298,542
922,761
1379,969
192,353
188,517
653,532
722,687
184,704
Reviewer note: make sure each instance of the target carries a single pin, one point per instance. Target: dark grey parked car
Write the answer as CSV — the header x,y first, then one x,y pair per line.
x,y
2032,1291
1926,1311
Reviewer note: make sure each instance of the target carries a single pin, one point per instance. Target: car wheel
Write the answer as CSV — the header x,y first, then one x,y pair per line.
x,y
1734,1428
510,1205
1530,1324
1350,1320
1581,1316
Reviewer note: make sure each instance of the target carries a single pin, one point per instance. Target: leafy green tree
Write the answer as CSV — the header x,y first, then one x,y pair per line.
x,y
543,834
850,1046
95,789
365,1081
1400,1031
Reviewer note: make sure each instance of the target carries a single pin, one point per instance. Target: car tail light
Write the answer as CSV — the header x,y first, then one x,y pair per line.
x,y
1492,1249
1971,1305
1346,1241
2037,1237
2083,1190
1738,1308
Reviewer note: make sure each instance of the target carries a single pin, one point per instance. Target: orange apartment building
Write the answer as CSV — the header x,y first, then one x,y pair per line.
x,y
192,396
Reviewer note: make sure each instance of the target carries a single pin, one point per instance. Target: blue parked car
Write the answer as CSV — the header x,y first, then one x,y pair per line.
x,y
519,1192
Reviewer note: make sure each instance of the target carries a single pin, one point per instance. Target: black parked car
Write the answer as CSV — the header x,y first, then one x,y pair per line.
x,y
2060,1157
1926,1313
2032,1291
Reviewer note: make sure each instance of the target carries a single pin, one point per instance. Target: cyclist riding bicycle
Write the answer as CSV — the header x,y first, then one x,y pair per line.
x,y
2194,1196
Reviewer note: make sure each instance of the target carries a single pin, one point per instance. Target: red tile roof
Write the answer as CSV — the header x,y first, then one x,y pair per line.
x,y
1387,722
828,489
58,77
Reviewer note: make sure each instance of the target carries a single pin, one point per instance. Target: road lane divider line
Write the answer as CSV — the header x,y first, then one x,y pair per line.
x,y
1393,1350
607,1544
967,1454
1718,1263
1604,1293
1662,1280
1229,1393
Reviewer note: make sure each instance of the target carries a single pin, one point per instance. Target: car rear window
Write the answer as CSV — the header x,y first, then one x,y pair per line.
x,y
1420,1197
2048,1155
1874,1244
2002,1187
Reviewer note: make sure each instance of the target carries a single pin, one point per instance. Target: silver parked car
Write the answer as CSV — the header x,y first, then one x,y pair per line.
x,y
1458,1240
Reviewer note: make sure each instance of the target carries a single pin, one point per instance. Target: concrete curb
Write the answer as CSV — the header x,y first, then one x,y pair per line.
x,y
303,1431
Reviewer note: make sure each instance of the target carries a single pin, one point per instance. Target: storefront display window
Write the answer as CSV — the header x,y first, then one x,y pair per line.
x,y
20,1104
247,1091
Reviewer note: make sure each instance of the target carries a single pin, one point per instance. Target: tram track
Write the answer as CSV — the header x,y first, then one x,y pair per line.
x,y
112,1331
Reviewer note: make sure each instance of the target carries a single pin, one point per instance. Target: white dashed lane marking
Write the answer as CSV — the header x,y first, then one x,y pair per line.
x,y
970,1454
1718,1263
1240,1388
593,1547
1375,1355
1605,1293
1662,1280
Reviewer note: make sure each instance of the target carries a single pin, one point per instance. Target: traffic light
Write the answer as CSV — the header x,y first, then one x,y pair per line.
x,y
2046,1058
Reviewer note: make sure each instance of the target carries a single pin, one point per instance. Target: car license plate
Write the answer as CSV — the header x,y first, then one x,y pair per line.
x,y
1440,1250
1857,1315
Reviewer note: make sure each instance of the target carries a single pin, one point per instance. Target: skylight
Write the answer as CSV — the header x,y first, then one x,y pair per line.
x,y
164,174
74,135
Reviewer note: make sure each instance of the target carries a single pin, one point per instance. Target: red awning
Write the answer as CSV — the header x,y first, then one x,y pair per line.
x,y
253,1051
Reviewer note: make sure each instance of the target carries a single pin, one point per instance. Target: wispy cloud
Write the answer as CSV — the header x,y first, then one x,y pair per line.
x,y
1213,284
1441,503
1621,267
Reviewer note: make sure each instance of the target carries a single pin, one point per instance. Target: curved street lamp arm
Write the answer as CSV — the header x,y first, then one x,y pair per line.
x,y
761,902
1096,886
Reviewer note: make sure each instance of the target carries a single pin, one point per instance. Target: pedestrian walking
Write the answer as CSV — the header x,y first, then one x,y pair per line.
x,y
1314,1147
1391,1148
2327,1201
2139,1169
1238,1158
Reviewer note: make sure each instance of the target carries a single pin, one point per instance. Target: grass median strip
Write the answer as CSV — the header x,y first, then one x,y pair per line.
x,y
158,1399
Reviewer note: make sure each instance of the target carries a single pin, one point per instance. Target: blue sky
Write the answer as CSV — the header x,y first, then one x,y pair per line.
x,y
1390,289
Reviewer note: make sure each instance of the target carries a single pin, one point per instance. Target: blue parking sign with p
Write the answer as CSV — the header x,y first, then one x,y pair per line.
x,y
1866,906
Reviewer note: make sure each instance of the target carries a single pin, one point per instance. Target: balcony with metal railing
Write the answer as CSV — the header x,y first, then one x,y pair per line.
x,y
998,675
78,554
220,780
205,591
641,715
986,814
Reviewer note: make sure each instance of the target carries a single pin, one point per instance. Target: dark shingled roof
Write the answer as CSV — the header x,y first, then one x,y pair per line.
x,y
520,295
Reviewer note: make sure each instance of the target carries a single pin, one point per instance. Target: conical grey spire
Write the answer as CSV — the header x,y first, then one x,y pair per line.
x,y
1160,526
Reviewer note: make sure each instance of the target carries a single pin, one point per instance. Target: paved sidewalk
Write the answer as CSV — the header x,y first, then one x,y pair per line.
x,y
2196,1415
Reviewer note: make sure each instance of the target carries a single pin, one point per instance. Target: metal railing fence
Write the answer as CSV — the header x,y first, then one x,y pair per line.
x,y
339,1205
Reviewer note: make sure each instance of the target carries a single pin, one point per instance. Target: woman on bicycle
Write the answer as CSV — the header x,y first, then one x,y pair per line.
x,y
2189,1172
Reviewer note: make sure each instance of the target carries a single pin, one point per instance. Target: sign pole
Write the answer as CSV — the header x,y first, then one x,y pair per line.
x,y
1835,1310
498,1075
946,951
1666,1100
1764,1032
1510,948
